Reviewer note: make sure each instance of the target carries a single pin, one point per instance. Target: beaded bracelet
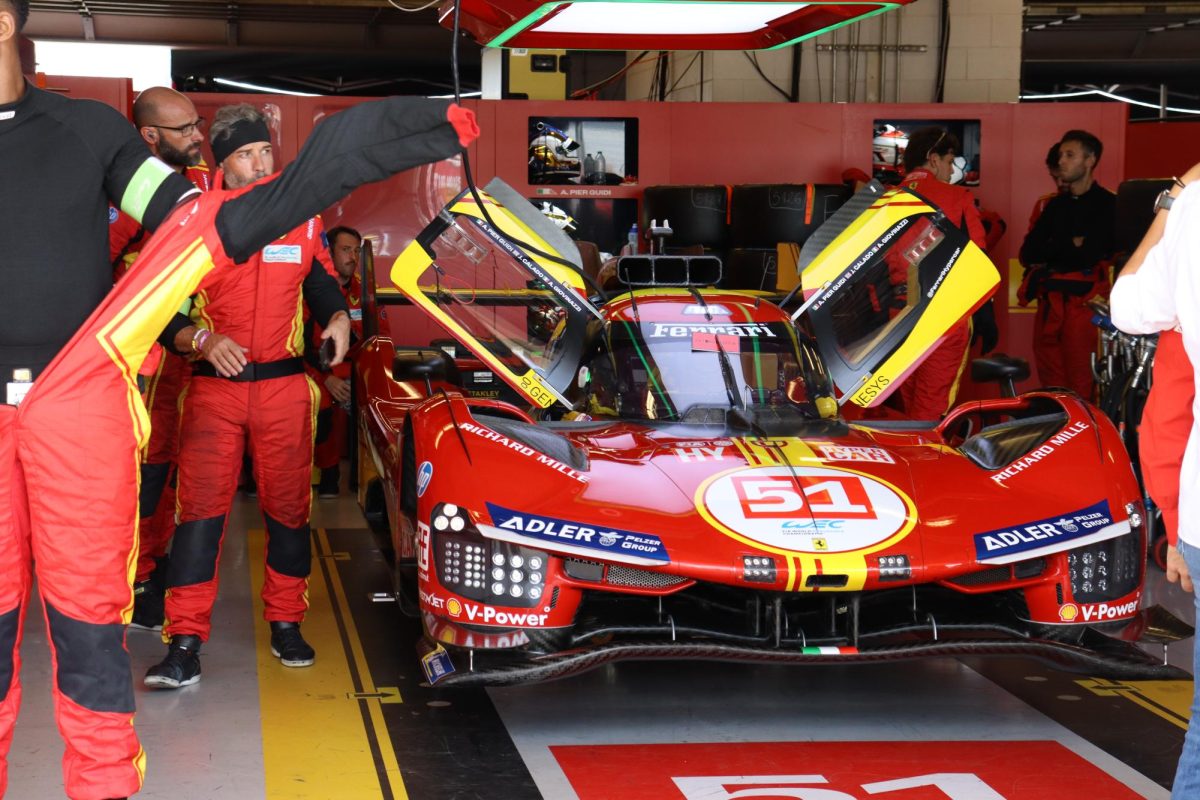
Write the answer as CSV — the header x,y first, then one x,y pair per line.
x,y
199,338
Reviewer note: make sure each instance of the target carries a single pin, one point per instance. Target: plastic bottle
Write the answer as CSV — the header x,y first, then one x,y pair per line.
x,y
589,166
21,383
633,239
601,167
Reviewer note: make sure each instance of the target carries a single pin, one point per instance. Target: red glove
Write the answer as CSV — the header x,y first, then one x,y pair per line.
x,y
464,124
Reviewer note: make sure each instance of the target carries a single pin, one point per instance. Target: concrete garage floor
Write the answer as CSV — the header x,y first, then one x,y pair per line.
x,y
359,726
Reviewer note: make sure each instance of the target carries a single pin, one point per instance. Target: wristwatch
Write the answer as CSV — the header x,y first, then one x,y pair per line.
x,y
1163,201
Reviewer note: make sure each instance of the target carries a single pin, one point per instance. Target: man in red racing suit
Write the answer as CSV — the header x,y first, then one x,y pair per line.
x,y
333,419
69,451
931,388
249,388
170,126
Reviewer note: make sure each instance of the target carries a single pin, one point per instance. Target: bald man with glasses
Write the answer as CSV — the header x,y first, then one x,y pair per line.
x,y
170,126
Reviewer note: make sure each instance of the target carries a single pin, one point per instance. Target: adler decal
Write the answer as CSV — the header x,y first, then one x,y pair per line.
x,y
1042,533
807,509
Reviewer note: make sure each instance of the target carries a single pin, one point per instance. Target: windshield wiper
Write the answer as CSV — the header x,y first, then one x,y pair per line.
x,y
731,389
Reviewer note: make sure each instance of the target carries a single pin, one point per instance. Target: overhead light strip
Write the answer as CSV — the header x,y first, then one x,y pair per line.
x,y
256,88
1111,96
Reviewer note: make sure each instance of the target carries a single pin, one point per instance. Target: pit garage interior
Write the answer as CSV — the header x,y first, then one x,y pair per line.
x,y
365,722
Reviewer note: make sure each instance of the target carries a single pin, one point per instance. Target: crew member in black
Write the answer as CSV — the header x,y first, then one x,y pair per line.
x,y
1070,245
61,163
64,161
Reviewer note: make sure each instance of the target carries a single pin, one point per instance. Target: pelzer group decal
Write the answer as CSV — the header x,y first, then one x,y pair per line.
x,y
578,534
1012,544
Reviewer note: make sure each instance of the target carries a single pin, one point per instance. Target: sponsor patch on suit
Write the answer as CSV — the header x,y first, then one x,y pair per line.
x,y
281,254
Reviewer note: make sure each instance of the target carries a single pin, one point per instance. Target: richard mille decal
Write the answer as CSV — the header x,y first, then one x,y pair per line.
x,y
525,450
1034,456
1043,532
579,534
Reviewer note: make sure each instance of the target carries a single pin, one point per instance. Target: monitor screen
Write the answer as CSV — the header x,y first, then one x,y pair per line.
x,y
890,140
583,151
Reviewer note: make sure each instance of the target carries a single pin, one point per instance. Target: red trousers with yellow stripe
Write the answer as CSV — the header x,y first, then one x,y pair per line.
x,y
220,417
83,565
156,503
930,390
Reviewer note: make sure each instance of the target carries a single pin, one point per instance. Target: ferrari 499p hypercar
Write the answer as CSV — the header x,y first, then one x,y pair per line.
x,y
671,470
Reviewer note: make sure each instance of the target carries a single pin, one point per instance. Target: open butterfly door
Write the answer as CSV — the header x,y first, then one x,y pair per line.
x,y
886,278
506,284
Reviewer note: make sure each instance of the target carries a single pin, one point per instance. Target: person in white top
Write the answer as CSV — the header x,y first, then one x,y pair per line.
x,y
1158,290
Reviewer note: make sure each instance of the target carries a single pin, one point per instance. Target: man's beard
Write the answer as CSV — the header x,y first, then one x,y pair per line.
x,y
235,182
181,159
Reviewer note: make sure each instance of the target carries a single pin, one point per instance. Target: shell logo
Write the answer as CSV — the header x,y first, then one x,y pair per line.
x,y
1068,612
453,607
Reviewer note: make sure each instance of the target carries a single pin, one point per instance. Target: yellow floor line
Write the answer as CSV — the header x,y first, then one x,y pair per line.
x,y
315,743
1170,700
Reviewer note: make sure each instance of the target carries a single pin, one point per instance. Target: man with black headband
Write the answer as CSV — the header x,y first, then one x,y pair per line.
x,y
69,454
248,388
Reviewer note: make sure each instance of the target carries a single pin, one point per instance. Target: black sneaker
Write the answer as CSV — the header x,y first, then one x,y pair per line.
x,y
148,611
181,667
330,478
289,646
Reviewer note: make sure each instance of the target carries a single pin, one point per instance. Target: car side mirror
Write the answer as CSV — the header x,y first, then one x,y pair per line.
x,y
419,367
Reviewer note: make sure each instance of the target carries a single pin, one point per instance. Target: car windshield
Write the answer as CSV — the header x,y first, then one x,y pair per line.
x,y
697,372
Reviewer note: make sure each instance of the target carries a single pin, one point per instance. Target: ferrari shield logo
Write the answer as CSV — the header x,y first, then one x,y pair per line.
x,y
820,544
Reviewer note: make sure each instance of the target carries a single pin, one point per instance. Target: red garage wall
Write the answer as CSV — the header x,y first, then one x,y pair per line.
x,y
729,143
1160,149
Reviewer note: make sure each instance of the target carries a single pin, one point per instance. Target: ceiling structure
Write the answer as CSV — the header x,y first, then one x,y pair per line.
x,y
354,47
1145,51
372,47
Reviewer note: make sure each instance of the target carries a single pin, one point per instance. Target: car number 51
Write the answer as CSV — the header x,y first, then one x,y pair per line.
x,y
954,785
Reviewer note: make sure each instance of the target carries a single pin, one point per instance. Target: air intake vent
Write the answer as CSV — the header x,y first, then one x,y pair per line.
x,y
831,581
993,575
582,570
620,575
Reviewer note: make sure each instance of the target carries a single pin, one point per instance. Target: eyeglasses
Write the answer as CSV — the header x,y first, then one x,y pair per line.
x,y
183,130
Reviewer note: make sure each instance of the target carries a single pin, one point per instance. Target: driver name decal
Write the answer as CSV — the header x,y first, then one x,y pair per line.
x,y
1042,533
549,529
807,509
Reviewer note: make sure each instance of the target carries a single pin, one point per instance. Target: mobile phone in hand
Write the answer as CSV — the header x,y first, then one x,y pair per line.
x,y
325,356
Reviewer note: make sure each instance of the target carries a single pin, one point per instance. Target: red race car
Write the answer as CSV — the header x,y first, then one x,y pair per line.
x,y
670,471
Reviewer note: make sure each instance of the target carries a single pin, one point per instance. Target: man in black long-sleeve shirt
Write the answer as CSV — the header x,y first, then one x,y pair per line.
x,y
1069,248
61,163
69,452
